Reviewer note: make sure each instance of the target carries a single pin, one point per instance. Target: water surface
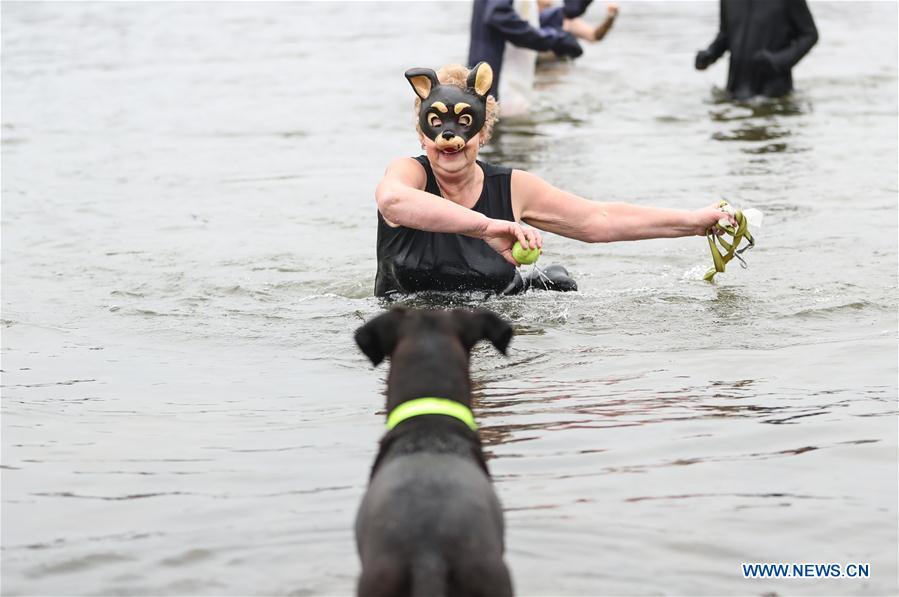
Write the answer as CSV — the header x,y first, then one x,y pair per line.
x,y
188,244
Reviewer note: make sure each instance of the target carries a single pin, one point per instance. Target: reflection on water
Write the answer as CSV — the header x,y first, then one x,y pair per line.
x,y
515,144
188,246
525,142
759,120
436,300
753,132
726,109
768,148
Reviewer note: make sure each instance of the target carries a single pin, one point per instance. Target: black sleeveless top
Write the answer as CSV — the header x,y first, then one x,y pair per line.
x,y
412,260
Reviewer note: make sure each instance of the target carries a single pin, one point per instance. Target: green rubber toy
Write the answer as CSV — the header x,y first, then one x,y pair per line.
x,y
524,256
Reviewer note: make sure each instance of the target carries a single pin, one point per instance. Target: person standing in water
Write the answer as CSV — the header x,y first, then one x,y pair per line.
x,y
448,222
766,39
495,22
519,63
519,66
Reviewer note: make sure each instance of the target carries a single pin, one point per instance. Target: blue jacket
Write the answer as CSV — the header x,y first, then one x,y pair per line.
x,y
493,23
570,9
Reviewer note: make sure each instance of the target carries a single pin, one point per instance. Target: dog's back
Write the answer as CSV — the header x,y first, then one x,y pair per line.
x,y
430,523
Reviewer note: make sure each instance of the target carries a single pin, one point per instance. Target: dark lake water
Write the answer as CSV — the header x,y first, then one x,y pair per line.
x,y
188,231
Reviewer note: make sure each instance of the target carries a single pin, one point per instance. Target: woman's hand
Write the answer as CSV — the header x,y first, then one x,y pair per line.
x,y
502,234
707,219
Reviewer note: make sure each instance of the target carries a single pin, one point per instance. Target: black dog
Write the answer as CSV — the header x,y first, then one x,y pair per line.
x,y
430,524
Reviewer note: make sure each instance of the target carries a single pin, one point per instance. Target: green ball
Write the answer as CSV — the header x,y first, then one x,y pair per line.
x,y
524,256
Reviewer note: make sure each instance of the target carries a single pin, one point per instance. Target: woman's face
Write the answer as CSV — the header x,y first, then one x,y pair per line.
x,y
451,162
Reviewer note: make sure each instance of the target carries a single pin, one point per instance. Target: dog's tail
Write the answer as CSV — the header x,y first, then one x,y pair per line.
x,y
430,574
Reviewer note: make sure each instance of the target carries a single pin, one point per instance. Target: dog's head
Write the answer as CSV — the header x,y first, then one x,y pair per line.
x,y
431,332
449,114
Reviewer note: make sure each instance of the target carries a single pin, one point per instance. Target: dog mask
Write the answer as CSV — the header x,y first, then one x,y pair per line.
x,y
449,115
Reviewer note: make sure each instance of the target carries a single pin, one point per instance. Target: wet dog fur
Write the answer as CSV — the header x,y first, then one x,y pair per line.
x,y
430,523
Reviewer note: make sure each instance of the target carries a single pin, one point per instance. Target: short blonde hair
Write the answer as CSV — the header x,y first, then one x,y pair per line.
x,y
456,74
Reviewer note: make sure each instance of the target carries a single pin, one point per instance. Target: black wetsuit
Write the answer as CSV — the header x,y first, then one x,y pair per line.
x,y
412,260
766,39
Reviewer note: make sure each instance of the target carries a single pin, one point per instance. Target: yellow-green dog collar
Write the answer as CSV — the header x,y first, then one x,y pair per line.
x,y
431,406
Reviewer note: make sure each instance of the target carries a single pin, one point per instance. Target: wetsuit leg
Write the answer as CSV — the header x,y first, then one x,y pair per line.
x,y
517,285
555,277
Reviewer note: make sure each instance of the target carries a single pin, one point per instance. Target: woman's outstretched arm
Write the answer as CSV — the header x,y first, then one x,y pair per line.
x,y
544,206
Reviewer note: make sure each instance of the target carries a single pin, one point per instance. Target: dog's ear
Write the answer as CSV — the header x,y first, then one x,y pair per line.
x,y
378,337
483,325
423,80
480,78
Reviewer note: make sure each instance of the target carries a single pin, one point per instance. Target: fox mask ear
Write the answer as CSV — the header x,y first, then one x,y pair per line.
x,y
423,80
480,78
482,324
378,337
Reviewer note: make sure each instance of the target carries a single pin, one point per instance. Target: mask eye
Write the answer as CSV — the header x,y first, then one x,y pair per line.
x,y
465,120
434,121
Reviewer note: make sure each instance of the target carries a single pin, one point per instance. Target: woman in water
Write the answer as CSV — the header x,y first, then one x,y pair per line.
x,y
447,221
